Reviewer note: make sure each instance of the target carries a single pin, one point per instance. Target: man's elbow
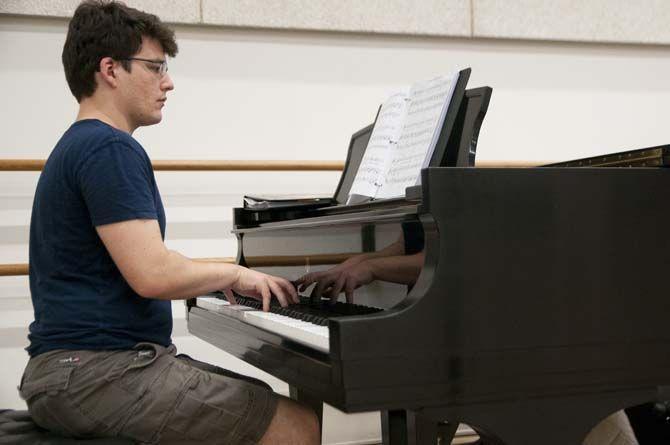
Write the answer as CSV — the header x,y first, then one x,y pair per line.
x,y
153,289
151,279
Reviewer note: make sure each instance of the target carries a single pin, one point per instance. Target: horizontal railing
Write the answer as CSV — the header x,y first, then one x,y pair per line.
x,y
25,165
252,261
7,270
200,165
214,165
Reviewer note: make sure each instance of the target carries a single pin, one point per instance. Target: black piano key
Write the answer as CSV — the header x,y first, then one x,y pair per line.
x,y
313,312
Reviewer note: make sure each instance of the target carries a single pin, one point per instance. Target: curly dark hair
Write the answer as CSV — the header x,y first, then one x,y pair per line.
x,y
101,29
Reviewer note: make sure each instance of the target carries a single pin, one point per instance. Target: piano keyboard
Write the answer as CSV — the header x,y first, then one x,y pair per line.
x,y
304,323
303,332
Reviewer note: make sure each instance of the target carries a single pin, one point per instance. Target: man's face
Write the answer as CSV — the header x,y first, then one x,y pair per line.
x,y
144,89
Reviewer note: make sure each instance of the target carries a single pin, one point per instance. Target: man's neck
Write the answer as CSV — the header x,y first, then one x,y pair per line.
x,y
90,109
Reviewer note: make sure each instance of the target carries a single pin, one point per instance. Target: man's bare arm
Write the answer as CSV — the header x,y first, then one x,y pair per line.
x,y
153,271
403,269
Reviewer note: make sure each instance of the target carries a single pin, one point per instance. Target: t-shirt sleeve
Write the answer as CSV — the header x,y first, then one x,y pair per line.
x,y
414,238
117,185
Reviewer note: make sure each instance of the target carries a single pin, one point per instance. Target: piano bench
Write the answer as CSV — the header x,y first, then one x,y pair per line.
x,y
17,427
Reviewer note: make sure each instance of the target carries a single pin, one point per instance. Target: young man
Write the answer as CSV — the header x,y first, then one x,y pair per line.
x,y
102,362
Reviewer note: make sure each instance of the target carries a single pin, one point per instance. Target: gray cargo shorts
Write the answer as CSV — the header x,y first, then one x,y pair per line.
x,y
148,394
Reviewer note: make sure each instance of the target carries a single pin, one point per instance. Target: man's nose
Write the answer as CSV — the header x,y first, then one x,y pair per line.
x,y
166,83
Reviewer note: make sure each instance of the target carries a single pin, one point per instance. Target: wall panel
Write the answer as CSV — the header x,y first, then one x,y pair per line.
x,y
268,94
622,21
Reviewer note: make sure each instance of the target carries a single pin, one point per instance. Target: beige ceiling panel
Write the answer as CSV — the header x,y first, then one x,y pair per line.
x,y
171,11
424,17
618,21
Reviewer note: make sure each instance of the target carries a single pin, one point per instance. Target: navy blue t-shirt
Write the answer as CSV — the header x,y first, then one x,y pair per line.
x,y
95,175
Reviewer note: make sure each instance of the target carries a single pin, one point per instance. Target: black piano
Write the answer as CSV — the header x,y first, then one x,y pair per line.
x,y
538,308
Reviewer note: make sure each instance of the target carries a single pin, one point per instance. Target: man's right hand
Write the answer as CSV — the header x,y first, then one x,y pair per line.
x,y
261,286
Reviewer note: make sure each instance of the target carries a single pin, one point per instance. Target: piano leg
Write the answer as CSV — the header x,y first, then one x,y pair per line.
x,y
446,431
403,427
309,400
394,427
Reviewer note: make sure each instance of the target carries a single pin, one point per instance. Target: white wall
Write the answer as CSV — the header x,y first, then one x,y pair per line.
x,y
254,94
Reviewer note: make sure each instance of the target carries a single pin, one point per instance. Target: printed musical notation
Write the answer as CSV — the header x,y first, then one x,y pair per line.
x,y
404,138
384,137
427,107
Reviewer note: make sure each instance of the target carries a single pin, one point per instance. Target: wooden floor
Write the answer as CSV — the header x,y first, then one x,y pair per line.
x,y
460,440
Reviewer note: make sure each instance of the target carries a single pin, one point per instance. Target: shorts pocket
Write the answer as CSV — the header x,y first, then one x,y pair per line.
x,y
214,407
198,420
153,411
118,392
57,414
49,382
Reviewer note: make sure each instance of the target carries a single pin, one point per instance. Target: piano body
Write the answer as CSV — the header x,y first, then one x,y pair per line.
x,y
540,307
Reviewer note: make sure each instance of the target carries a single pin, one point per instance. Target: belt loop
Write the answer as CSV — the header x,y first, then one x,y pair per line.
x,y
23,377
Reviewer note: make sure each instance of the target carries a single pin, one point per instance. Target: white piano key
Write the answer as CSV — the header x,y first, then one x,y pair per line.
x,y
211,303
300,331
318,330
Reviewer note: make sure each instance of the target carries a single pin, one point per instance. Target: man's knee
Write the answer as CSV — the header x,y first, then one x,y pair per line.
x,y
292,423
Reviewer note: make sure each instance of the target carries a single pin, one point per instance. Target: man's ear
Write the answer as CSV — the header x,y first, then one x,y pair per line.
x,y
107,71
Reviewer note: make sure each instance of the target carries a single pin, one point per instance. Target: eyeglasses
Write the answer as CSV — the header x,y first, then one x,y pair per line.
x,y
160,67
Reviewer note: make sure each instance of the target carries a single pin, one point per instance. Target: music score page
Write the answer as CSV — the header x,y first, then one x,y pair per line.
x,y
377,158
404,138
428,103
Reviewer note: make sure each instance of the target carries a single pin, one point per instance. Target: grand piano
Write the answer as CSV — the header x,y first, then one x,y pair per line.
x,y
538,309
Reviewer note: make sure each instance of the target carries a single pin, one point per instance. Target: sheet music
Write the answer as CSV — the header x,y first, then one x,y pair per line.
x,y
385,135
428,103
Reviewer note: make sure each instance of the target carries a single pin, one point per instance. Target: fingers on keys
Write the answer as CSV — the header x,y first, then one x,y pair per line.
x,y
305,281
329,285
230,296
279,293
282,289
266,295
337,288
349,290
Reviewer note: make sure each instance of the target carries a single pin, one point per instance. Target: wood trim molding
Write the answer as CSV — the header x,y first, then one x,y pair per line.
x,y
257,261
261,165
242,165
26,165
7,270
228,260
199,165
297,260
